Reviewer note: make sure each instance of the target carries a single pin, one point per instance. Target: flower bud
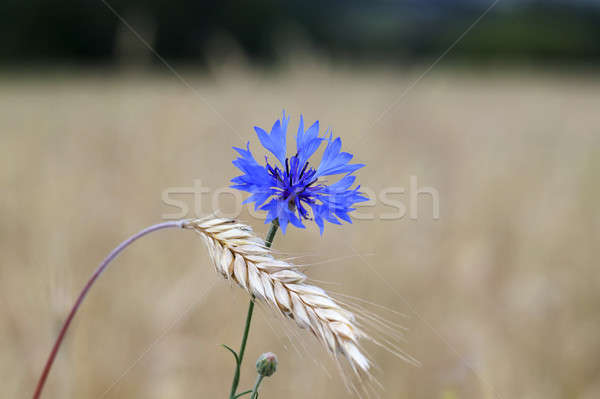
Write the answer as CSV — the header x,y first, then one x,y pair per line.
x,y
266,365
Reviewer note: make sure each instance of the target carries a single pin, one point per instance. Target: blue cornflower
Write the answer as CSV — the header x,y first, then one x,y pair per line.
x,y
286,190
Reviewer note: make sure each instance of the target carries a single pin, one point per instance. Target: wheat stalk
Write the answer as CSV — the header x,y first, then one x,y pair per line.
x,y
239,255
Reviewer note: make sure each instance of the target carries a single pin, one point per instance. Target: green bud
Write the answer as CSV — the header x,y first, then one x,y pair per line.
x,y
266,365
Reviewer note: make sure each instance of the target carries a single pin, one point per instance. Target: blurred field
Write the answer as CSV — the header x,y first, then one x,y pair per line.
x,y
505,282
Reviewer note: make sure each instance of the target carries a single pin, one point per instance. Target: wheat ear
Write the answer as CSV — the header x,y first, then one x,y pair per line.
x,y
239,255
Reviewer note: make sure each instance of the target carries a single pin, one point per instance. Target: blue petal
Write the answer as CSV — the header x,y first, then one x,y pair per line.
x,y
334,162
246,154
279,209
342,185
283,221
295,220
259,198
276,141
317,216
343,215
307,142
271,207
300,134
330,217
253,172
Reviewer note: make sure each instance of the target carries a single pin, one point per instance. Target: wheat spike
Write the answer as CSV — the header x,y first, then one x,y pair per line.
x,y
239,255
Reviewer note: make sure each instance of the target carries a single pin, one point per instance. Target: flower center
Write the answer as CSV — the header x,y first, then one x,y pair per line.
x,y
294,182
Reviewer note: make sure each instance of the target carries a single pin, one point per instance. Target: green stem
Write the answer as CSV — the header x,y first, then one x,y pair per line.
x,y
259,379
236,376
239,395
271,233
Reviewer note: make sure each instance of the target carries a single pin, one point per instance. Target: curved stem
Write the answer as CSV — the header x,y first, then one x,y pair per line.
x,y
236,376
97,273
254,394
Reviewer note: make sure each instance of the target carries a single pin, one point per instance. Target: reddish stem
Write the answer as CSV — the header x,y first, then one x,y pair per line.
x,y
97,273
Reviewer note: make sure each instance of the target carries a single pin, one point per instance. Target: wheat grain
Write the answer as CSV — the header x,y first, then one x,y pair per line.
x,y
239,255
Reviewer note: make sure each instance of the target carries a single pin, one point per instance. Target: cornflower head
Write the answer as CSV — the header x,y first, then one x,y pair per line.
x,y
289,187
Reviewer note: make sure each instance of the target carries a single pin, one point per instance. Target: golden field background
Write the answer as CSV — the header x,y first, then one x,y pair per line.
x,y
505,283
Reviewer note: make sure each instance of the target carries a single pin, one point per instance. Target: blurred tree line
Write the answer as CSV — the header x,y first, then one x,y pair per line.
x,y
87,31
